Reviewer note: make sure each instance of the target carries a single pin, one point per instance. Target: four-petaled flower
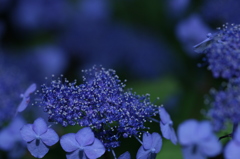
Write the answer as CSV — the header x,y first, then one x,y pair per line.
x,y
82,145
152,144
38,137
198,140
166,125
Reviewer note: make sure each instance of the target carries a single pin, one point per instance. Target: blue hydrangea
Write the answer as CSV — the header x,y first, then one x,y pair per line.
x,y
226,105
198,140
151,145
39,137
82,145
222,51
100,103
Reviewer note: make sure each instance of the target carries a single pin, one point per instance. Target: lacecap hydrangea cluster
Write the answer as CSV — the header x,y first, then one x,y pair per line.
x,y
102,103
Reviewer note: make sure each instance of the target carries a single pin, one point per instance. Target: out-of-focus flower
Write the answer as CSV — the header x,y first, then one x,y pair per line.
x,y
40,14
190,31
177,7
152,144
166,125
197,140
222,52
231,151
226,105
39,137
82,145
98,103
11,140
220,11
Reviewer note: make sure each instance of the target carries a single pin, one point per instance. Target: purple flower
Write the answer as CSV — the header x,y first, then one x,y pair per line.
x,y
26,97
39,137
198,140
231,151
166,125
11,140
82,145
152,144
125,155
97,103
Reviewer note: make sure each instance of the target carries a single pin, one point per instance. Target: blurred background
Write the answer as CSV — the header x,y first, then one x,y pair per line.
x,y
149,43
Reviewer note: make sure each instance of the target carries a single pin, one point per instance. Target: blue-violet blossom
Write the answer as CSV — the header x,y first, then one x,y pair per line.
x,y
197,140
231,151
39,137
82,145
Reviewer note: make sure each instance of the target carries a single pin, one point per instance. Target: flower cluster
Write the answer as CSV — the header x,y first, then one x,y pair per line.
x,y
222,51
225,106
100,103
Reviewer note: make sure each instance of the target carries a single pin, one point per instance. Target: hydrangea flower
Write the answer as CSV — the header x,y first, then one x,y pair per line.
x,y
222,51
226,105
151,145
11,140
98,103
166,125
197,140
82,145
39,137
231,151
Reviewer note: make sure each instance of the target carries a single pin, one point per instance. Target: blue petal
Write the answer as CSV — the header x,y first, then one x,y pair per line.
x,y
37,148
69,143
96,150
237,135
27,133
164,116
204,130
232,150
147,141
50,137
76,155
210,146
85,136
26,97
40,126
187,132
142,154
157,142
125,155
168,132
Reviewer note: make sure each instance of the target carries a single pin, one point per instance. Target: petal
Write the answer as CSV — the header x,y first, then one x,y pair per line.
x,y
85,136
50,137
69,143
30,89
77,154
168,132
37,148
236,135
173,137
125,155
40,126
187,132
157,142
232,150
204,130
188,153
27,133
142,154
164,116
147,141
96,150
210,146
